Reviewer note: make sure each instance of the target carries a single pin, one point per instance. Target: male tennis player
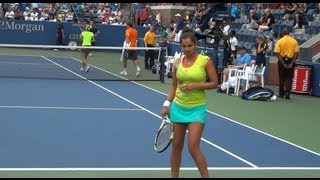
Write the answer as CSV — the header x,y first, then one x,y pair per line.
x,y
131,35
87,37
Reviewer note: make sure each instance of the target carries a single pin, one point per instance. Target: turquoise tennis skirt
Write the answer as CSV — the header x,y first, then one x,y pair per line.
x,y
179,114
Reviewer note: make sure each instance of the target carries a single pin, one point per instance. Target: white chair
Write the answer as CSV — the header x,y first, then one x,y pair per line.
x,y
244,76
260,75
233,76
169,60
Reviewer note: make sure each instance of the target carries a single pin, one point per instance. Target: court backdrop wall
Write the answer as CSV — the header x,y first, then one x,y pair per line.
x,y
44,33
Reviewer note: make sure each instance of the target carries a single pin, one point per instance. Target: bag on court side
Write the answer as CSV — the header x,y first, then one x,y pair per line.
x,y
258,93
164,135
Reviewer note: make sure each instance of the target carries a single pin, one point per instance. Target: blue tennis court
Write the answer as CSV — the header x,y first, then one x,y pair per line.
x,y
86,124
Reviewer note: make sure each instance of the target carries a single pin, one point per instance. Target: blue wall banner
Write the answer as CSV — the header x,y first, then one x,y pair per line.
x,y
44,33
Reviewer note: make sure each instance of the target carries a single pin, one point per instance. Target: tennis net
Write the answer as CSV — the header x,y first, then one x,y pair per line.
x,y
64,62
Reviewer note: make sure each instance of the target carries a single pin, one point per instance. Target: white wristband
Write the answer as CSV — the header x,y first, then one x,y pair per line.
x,y
166,103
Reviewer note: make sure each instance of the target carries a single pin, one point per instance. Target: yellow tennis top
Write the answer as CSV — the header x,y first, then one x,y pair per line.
x,y
193,74
87,38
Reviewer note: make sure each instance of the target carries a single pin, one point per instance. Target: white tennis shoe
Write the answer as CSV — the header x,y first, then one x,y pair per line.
x,y
123,73
87,68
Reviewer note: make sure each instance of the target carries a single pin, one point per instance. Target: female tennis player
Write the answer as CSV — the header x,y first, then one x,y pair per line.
x,y
87,37
186,102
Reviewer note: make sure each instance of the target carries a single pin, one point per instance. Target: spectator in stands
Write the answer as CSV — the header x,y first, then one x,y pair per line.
x,y
234,11
278,6
295,11
234,43
298,14
289,10
22,6
253,21
179,27
34,14
9,14
137,9
205,15
266,25
158,16
225,27
243,59
286,50
171,34
149,41
144,15
18,15
163,33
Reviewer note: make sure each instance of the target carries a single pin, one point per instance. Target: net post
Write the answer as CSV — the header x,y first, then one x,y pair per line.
x,y
162,66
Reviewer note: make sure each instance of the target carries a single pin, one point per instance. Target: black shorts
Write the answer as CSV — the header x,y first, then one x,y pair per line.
x,y
85,50
131,54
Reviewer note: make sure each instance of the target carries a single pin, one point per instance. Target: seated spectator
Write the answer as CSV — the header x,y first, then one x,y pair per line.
x,y
243,59
18,15
70,15
9,14
253,21
144,15
34,14
295,11
171,34
298,14
205,18
163,34
266,25
290,8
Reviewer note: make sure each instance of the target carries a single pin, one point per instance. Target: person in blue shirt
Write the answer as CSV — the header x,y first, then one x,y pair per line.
x,y
243,59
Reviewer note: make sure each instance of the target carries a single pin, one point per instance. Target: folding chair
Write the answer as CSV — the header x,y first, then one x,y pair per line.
x,y
244,76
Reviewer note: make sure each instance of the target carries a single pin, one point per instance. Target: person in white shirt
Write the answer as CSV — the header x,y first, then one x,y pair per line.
x,y
9,14
158,16
233,43
225,27
34,15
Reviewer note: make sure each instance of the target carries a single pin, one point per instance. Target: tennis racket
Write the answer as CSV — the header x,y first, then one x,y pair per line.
x,y
164,135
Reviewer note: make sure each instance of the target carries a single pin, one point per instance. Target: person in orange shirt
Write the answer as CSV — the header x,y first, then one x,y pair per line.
x,y
131,35
149,41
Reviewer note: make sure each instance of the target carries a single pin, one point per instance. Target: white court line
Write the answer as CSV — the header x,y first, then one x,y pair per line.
x,y
71,108
98,85
254,129
22,63
159,169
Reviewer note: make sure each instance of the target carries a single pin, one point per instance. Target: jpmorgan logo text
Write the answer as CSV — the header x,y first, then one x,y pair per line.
x,y
18,26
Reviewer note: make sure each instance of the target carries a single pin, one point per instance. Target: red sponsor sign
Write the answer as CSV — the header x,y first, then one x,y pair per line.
x,y
301,80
